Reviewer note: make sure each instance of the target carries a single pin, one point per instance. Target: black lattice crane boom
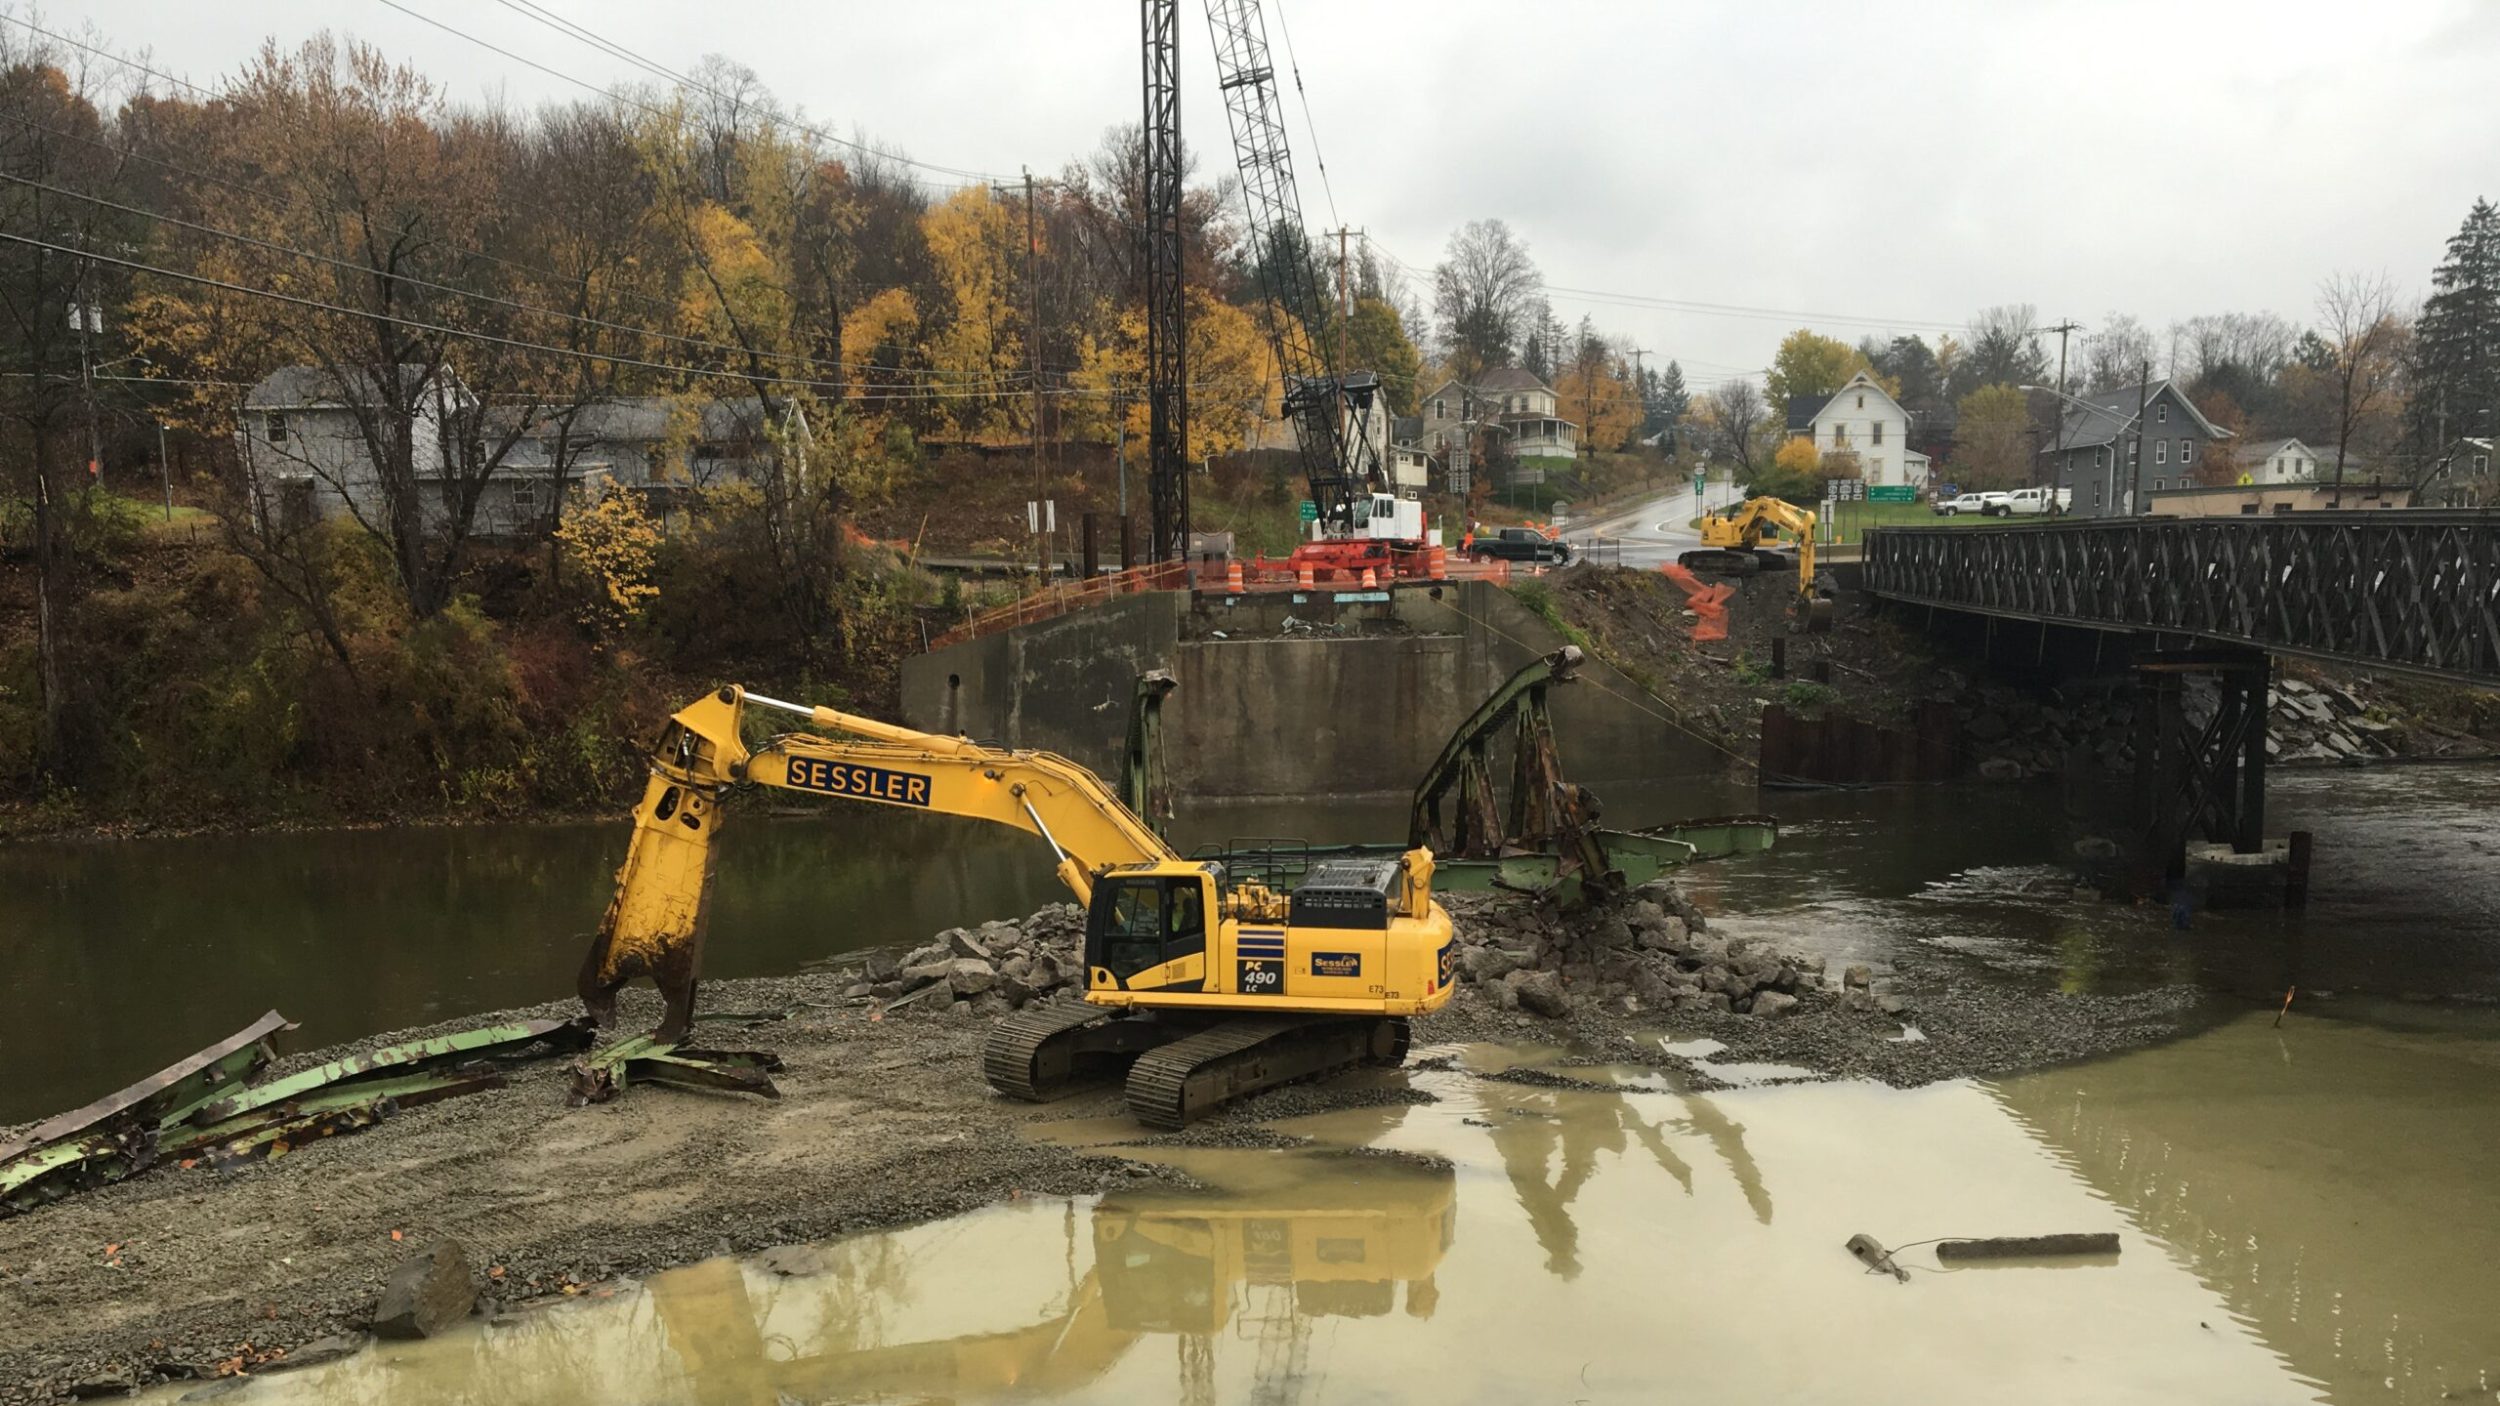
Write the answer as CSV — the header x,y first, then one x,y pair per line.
x,y
1167,360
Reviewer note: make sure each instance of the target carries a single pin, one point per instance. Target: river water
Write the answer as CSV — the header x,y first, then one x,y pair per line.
x,y
2307,1211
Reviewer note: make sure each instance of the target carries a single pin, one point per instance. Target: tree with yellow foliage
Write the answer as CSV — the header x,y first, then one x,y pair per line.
x,y
973,334
610,541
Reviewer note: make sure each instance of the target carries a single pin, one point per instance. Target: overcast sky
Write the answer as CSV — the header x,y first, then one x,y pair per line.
x,y
1902,164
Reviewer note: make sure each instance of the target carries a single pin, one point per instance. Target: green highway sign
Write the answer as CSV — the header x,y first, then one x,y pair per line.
x,y
1891,493
1310,511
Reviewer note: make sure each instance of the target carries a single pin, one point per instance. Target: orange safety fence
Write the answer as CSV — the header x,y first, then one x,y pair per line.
x,y
1230,577
1056,600
1707,600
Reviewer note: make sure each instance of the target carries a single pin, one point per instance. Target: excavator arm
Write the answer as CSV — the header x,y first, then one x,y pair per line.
x,y
654,926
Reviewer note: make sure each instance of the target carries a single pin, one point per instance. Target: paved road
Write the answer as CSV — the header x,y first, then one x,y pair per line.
x,y
1651,531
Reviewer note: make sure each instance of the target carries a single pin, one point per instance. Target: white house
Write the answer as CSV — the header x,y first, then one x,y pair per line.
x,y
1864,420
2277,461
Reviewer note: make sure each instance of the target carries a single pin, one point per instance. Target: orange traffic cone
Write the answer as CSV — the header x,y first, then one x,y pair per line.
x,y
1306,577
1439,557
1370,581
1232,578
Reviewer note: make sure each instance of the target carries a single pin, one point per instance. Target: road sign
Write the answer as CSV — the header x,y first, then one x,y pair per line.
x,y
1892,493
1310,511
1701,482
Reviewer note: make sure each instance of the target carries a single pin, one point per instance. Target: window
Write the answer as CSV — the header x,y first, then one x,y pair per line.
x,y
2159,484
2482,464
2187,452
2096,495
1861,402
277,428
2248,510
2161,451
2161,414
525,496
1840,433
1441,407
2279,507
1879,432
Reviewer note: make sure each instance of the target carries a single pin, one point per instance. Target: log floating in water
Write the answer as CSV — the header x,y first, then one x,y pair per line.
x,y
2006,1247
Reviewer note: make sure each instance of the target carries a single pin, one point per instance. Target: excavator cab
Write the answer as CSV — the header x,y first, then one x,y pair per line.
x,y
1146,929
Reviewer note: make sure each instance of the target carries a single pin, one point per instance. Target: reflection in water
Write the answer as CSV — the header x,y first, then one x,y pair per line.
x,y
2332,1180
1619,1246
1550,1150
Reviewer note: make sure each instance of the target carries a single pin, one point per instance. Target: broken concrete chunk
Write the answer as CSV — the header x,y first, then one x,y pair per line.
x,y
970,977
430,1290
963,944
1773,1003
1858,977
1539,992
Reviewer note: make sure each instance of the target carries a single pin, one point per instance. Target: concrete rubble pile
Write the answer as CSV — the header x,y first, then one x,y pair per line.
x,y
2013,734
988,970
1653,951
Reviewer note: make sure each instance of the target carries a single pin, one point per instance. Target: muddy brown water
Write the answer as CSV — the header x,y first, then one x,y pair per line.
x,y
1641,1243
2306,1212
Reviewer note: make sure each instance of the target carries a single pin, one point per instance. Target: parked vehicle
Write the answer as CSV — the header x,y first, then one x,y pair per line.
x,y
1519,544
1965,503
2034,502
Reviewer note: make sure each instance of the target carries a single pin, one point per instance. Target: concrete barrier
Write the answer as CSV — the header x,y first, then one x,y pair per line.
x,y
1288,695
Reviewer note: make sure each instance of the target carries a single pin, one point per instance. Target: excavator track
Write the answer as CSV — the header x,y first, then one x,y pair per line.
x,y
1179,1083
1043,1051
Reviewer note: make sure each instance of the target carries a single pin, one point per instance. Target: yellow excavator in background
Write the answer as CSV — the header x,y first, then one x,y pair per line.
x,y
1210,988
1731,545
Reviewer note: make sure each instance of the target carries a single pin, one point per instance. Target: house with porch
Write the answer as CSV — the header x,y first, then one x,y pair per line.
x,y
2271,461
1514,405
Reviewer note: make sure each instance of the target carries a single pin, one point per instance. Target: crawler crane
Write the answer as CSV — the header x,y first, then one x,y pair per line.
x,y
1208,987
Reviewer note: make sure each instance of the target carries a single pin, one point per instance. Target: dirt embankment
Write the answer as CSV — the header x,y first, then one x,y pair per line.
x,y
884,1120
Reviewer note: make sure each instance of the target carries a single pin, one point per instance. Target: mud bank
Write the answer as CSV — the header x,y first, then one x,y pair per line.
x,y
883,1121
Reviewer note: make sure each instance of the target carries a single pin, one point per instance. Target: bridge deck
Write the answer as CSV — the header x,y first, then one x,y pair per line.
x,y
2397,589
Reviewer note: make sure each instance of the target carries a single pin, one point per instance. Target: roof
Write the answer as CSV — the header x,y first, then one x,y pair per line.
x,y
1509,378
2259,451
2098,419
1406,429
1803,408
309,387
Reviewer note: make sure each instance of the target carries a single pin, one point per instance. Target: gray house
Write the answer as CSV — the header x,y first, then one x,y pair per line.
x,y
2100,456
303,437
303,440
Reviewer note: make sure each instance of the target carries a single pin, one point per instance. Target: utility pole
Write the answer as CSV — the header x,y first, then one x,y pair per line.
x,y
165,467
2143,403
90,319
1033,370
1640,390
2059,462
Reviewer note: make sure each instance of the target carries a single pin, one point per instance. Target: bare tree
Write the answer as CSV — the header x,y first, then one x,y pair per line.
x,y
2360,322
1482,291
2114,354
1737,406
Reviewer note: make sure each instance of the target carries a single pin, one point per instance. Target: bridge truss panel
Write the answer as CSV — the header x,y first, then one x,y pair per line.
x,y
2413,591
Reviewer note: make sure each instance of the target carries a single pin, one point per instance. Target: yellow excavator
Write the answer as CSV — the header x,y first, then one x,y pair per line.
x,y
1207,986
1732,545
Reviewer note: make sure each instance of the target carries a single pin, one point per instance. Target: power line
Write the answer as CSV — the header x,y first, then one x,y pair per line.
x,y
532,10
662,113
487,298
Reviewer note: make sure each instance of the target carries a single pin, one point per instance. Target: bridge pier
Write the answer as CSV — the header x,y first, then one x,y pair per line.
x,y
2210,777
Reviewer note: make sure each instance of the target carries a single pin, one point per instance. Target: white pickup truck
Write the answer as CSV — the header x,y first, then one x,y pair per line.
x,y
2032,502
